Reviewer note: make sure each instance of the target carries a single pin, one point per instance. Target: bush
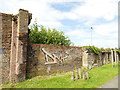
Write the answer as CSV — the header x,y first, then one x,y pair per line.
x,y
48,36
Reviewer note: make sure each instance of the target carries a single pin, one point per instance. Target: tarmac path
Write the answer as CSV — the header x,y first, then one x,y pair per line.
x,y
112,83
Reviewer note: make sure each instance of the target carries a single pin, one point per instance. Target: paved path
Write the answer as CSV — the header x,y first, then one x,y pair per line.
x,y
112,83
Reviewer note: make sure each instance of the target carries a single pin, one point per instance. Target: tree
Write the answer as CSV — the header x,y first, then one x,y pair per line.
x,y
48,36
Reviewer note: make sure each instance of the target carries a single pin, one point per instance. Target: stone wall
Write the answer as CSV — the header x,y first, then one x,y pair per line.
x,y
91,60
47,59
96,60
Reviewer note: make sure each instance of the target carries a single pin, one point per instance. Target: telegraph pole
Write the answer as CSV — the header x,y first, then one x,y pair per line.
x,y
91,35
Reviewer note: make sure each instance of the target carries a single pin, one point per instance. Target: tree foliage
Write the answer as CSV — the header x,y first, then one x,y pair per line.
x,y
48,36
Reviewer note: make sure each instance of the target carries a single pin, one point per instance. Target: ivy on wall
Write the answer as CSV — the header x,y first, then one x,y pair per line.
x,y
97,50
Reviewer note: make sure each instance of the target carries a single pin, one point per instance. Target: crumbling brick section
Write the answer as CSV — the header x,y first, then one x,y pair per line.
x,y
13,49
21,43
23,22
14,31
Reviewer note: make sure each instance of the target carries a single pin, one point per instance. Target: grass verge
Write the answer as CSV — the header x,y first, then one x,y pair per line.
x,y
98,76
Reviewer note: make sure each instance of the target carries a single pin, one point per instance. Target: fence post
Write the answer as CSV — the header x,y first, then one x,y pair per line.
x,y
76,77
79,73
112,57
115,56
87,75
72,77
83,75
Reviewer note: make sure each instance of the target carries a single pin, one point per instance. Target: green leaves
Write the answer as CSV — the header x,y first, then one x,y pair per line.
x,y
48,36
96,50
117,50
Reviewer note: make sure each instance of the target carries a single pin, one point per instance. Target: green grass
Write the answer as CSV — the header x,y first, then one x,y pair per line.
x,y
98,76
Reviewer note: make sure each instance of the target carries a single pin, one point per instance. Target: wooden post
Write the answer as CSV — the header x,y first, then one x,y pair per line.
x,y
72,77
87,75
112,57
117,59
76,76
48,69
83,75
79,73
115,56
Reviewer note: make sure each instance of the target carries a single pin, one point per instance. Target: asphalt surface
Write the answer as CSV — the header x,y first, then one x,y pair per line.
x,y
112,83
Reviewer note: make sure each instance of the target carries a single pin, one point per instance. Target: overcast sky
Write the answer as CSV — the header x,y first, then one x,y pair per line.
x,y
74,17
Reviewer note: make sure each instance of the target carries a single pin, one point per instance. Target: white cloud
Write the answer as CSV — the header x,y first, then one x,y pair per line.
x,y
87,13
40,9
78,34
100,43
104,35
106,9
106,29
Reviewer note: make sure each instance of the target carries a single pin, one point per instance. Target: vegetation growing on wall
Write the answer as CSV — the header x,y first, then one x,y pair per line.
x,y
117,50
108,49
102,49
96,50
48,36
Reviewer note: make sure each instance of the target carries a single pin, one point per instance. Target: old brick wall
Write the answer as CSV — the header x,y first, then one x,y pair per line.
x,y
22,44
0,48
6,32
19,46
14,42
13,49
38,64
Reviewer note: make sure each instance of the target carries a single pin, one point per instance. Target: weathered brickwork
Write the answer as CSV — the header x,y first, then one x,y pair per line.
x,y
14,31
6,31
0,48
37,64
19,46
13,49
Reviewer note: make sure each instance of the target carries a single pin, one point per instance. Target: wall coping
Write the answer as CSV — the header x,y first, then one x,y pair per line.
x,y
56,45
